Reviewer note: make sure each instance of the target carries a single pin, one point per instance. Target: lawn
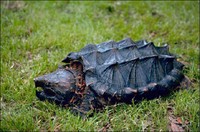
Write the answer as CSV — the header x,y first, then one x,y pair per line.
x,y
36,36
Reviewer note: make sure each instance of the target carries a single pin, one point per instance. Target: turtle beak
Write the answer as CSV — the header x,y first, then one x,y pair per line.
x,y
39,81
46,91
57,86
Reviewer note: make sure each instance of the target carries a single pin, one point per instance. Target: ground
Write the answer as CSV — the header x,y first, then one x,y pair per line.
x,y
36,36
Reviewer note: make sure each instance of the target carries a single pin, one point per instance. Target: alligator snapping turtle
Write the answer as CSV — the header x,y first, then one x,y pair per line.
x,y
110,73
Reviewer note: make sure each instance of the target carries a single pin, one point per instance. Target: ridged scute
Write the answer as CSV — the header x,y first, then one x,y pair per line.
x,y
111,66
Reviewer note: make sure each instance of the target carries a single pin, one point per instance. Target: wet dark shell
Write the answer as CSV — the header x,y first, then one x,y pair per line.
x,y
111,67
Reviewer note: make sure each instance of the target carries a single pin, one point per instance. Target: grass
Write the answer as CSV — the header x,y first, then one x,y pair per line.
x,y
36,36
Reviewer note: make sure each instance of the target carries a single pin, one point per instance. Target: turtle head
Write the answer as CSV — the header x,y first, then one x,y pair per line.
x,y
58,86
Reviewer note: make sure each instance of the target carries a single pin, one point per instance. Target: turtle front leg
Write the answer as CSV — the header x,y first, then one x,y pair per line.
x,y
87,106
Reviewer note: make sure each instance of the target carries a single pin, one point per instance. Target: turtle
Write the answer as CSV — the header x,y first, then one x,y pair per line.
x,y
109,73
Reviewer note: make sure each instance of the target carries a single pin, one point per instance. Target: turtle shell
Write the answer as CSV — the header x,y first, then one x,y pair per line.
x,y
113,69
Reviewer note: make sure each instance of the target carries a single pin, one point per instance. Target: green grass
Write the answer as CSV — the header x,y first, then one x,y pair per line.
x,y
36,36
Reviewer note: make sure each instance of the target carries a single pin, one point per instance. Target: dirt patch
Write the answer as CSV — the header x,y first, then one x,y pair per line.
x,y
13,5
176,124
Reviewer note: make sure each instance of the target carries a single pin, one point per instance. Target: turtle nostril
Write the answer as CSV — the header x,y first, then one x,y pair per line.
x,y
35,79
38,82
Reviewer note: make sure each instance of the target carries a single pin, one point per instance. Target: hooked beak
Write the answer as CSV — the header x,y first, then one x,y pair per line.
x,y
56,87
